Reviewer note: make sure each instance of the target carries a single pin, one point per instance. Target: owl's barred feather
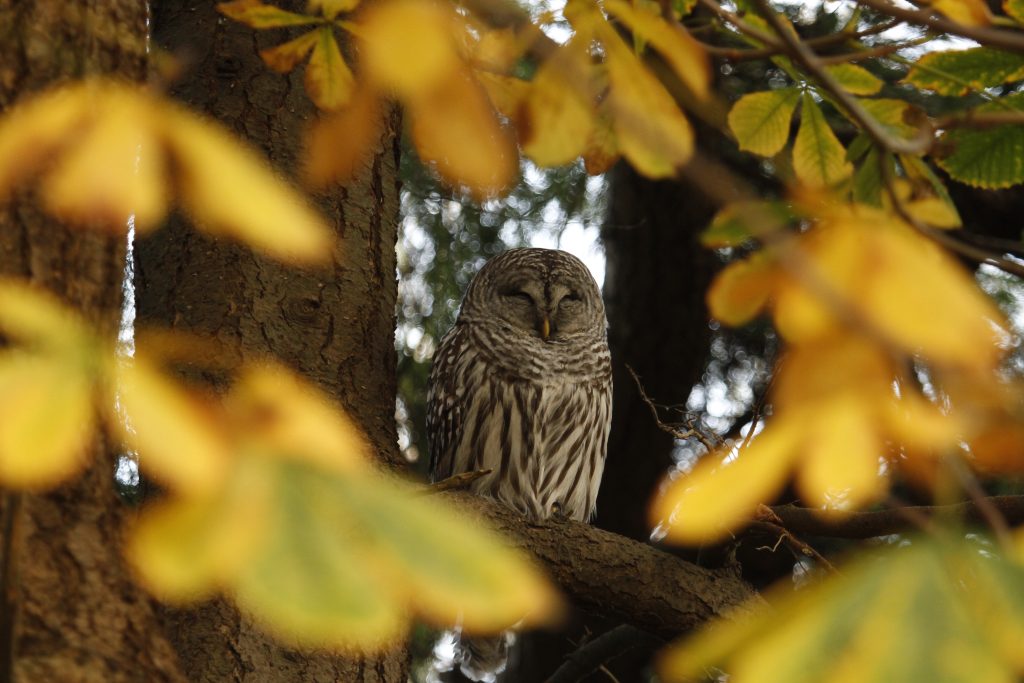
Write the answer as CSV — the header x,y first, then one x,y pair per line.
x,y
521,385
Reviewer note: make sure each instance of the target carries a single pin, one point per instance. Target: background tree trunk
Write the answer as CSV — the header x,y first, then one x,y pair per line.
x,y
71,611
334,324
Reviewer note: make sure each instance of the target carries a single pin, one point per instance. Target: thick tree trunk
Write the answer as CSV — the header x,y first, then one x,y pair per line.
x,y
71,611
654,288
334,324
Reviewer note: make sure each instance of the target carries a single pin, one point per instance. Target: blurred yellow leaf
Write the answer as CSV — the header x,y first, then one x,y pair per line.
x,y
332,8
498,49
819,159
187,549
602,149
506,93
337,146
278,410
680,51
46,420
651,131
724,489
228,188
855,79
761,120
449,569
942,611
556,118
286,56
123,143
35,317
455,128
329,81
969,12
180,443
742,289
256,14
408,46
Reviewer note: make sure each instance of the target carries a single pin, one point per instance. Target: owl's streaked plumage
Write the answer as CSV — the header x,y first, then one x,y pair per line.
x,y
522,385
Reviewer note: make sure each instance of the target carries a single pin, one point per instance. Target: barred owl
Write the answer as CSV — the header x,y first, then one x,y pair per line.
x,y
521,386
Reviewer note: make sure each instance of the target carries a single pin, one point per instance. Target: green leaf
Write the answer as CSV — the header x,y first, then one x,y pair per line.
x,y
941,611
818,157
856,79
255,14
860,146
867,181
742,221
332,8
760,121
991,158
959,71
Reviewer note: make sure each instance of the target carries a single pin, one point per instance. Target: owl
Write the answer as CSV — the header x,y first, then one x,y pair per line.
x,y
522,385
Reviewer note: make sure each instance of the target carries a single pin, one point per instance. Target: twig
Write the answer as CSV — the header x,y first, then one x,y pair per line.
x,y
809,522
768,521
742,26
592,655
455,482
806,57
667,428
980,119
991,515
1007,40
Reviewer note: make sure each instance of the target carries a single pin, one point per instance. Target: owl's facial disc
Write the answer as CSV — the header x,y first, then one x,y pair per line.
x,y
545,311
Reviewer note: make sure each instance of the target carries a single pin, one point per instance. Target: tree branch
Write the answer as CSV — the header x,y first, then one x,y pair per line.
x,y
808,522
592,654
617,577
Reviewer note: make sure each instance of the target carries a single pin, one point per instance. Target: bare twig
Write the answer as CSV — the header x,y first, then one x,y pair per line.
x,y
985,508
675,432
768,521
1007,40
591,655
980,119
455,482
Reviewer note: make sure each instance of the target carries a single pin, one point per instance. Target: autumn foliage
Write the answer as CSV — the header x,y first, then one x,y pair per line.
x,y
894,367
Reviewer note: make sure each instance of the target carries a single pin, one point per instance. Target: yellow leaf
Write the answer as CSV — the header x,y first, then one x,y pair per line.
x,y
855,79
256,14
602,148
506,93
761,120
339,145
840,470
178,438
455,128
681,52
36,317
818,157
742,289
186,549
332,8
408,46
286,56
968,12
498,50
722,493
277,410
36,129
652,133
46,421
934,212
555,122
447,567
228,188
329,81
132,182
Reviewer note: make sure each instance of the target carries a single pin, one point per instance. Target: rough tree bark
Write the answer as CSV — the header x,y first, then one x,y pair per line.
x,y
71,611
334,324
654,287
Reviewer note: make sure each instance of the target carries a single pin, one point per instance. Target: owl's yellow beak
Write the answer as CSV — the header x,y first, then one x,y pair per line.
x,y
545,328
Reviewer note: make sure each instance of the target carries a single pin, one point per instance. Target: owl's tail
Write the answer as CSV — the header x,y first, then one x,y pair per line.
x,y
483,659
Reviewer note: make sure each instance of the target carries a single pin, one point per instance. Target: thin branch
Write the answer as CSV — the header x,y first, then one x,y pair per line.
x,y
591,655
979,119
675,432
988,512
871,53
1007,40
806,57
796,545
809,522
456,482
742,26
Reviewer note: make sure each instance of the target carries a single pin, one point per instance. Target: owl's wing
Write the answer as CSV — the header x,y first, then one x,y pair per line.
x,y
444,404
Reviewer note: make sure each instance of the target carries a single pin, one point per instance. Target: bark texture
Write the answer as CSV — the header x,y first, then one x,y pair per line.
x,y
654,287
334,324
71,611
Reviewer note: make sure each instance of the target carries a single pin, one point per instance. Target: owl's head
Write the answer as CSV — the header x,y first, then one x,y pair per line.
x,y
543,293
